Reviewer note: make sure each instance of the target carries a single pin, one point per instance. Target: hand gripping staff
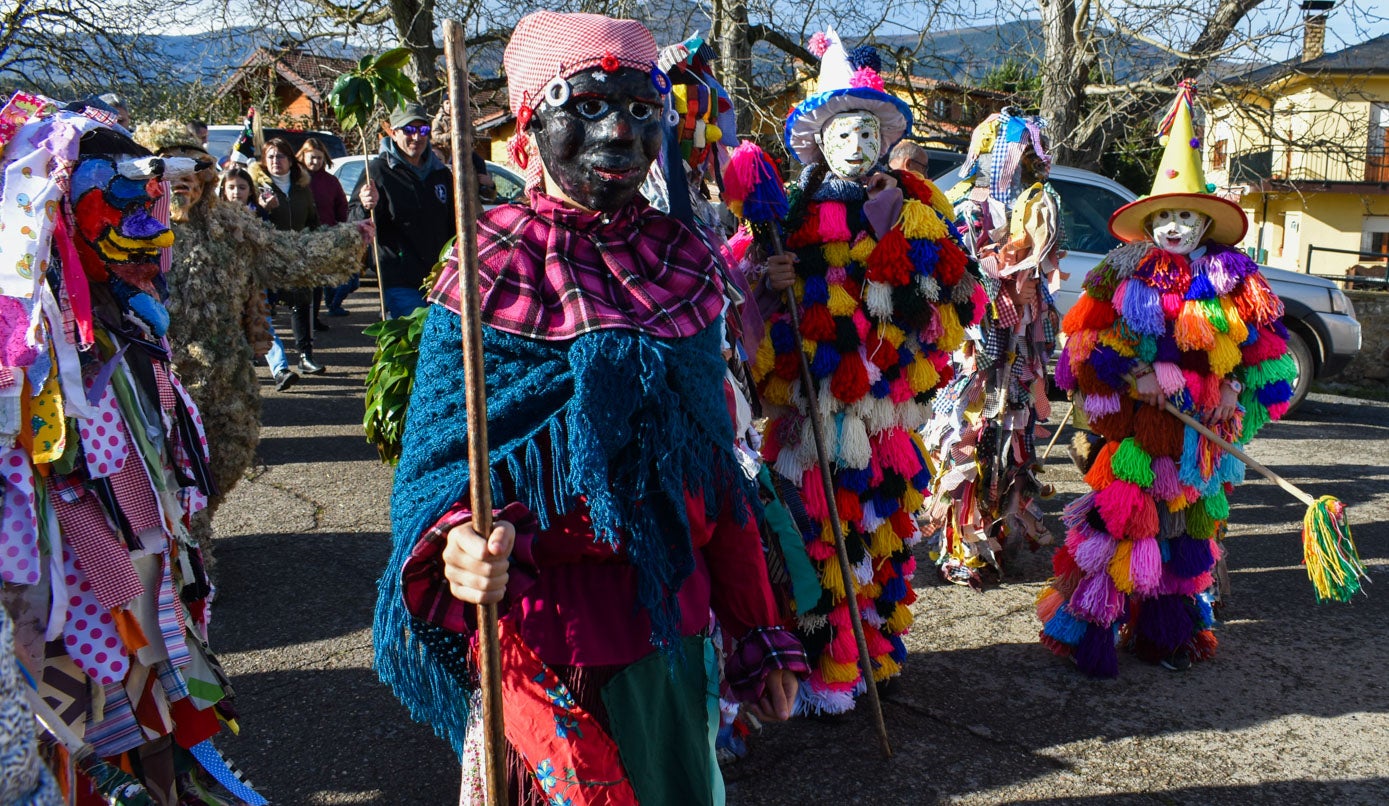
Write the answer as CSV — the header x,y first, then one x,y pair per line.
x,y
754,191
465,219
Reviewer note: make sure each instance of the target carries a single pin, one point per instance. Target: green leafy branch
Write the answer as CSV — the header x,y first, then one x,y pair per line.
x,y
375,79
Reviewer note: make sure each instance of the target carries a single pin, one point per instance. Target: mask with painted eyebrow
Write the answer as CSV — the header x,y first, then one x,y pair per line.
x,y
1179,231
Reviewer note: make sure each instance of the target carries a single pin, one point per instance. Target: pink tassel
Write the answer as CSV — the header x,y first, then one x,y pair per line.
x,y
1121,291
898,452
877,644
839,618
1117,504
813,494
1075,538
836,275
1184,586
909,569
1073,516
1169,377
819,550
834,223
1143,523
901,390
844,647
1097,406
1145,566
1172,305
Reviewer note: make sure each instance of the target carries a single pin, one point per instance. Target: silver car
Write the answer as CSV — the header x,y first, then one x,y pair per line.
x,y
1323,332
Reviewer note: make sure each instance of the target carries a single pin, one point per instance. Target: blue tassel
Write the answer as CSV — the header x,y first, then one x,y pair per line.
x,y
894,590
885,505
856,481
1200,288
782,336
881,388
826,360
1274,393
923,255
1110,367
922,480
1143,308
817,291
899,649
1065,627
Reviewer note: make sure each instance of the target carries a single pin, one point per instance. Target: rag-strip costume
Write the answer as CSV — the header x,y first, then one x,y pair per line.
x,y
612,445
884,296
984,499
1141,546
103,461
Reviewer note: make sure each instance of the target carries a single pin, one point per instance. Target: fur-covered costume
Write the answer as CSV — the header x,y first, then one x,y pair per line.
x,y
223,259
1141,546
982,435
104,464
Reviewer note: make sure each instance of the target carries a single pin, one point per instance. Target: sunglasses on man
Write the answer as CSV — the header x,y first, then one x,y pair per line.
x,y
411,130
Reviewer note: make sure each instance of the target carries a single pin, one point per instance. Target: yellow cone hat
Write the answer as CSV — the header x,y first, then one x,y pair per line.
x,y
1180,184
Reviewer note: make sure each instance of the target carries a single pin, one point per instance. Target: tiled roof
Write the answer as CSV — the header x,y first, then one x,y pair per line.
x,y
310,73
1366,57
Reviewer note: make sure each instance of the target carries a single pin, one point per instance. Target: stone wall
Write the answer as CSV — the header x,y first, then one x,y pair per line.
x,y
1371,366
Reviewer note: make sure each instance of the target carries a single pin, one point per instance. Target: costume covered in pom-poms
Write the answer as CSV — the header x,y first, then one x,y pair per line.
x,y
103,462
1199,326
982,435
884,296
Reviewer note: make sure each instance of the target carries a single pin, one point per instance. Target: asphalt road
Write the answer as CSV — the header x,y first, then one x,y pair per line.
x,y
1294,710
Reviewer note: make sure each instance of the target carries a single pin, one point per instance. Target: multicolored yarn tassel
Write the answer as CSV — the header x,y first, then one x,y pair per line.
x,y
1328,551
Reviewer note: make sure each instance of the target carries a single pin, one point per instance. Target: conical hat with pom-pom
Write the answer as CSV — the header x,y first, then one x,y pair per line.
x,y
841,89
1180,184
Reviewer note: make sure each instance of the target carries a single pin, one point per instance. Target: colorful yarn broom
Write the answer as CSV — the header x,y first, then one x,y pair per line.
x,y
753,191
1328,551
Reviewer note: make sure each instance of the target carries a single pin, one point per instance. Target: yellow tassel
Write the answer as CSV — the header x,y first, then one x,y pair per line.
x,y
1119,566
798,287
952,334
922,375
830,578
920,221
1238,330
1224,355
940,202
809,345
1116,341
777,390
901,620
872,591
887,667
836,254
835,672
840,303
860,251
886,541
912,499
892,334
764,361
712,133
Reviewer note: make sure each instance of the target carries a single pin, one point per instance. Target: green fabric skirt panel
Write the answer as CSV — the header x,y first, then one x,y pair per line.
x,y
658,715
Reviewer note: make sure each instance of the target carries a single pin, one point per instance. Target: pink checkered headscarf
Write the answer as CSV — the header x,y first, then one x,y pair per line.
x,y
546,44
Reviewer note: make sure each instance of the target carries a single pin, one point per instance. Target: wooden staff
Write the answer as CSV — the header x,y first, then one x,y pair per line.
x,y
865,661
465,218
1061,426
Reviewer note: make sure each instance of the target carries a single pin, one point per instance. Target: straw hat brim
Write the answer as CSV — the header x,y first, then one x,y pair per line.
x,y
1228,221
809,116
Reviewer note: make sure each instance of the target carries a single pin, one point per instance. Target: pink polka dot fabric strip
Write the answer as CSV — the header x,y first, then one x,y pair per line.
x,y
19,536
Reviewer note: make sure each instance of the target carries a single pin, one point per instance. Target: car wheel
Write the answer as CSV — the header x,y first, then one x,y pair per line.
x,y
1306,368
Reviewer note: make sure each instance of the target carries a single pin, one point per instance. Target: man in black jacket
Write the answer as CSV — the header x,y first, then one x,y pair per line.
x,y
411,191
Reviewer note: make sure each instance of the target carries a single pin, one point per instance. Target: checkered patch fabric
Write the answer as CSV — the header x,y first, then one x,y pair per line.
x,y
546,45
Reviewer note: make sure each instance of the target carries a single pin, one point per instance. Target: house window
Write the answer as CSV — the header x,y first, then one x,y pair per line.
x,y
1377,156
1374,239
1218,154
940,108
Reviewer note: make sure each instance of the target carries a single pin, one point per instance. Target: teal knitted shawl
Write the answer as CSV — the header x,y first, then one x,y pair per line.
x,y
632,422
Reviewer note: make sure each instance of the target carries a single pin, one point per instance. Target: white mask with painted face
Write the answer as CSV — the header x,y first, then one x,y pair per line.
x,y
851,143
1179,231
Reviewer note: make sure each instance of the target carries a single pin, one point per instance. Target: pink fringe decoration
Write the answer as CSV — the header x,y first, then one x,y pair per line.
x,y
1277,410
1075,538
901,390
818,44
836,275
1268,346
909,569
1117,504
819,550
898,452
1121,291
1172,305
1169,377
843,647
1145,566
1096,406
834,222
813,494
867,77
1073,516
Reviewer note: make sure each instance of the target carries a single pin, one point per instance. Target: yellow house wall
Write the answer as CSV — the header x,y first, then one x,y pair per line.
x,y
1331,220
